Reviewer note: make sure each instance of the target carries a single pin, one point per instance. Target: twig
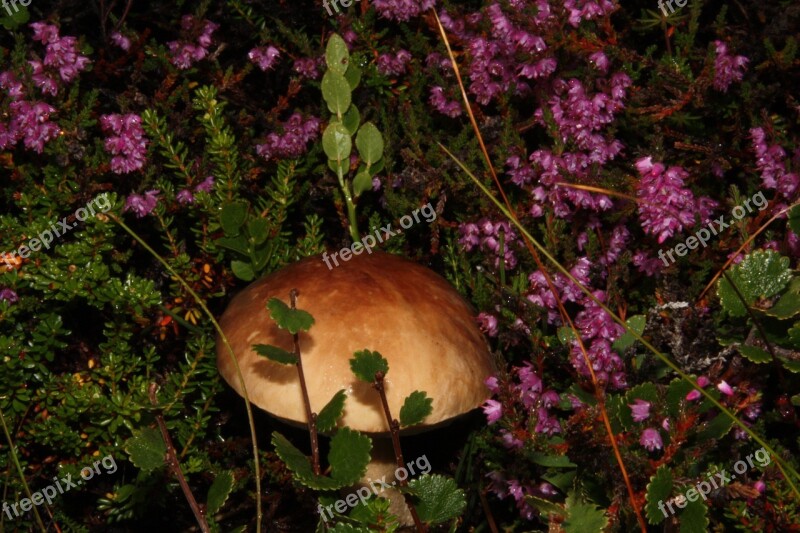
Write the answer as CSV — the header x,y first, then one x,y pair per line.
x,y
394,426
171,459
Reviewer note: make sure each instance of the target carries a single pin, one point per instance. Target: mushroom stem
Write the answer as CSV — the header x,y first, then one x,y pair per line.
x,y
394,426
310,416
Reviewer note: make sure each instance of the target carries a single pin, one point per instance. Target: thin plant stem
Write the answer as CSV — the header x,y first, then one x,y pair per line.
x,y
15,459
228,347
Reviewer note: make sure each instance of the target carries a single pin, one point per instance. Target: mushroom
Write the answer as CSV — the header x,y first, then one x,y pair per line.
x,y
376,301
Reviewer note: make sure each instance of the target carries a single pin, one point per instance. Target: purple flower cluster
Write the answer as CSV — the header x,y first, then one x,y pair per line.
x,y
451,108
771,163
126,142
503,488
665,204
61,56
142,204
186,53
402,10
393,64
121,41
727,68
297,133
8,295
580,10
266,57
30,123
598,331
487,324
485,235
185,196
308,67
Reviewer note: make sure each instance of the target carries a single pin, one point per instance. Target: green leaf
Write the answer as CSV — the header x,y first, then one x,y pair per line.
x,y
794,219
301,466
790,365
353,76
336,92
416,408
658,490
347,528
232,218
626,340
146,449
243,271
716,428
258,228
694,518
293,320
237,244
273,353
336,55
565,335
366,364
369,142
349,456
351,120
439,497
218,492
362,183
584,517
375,512
332,412
337,143
546,507
761,274
16,18
560,479
789,304
560,461
676,395
755,354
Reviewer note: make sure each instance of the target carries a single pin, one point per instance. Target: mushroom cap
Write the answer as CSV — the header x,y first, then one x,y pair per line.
x,y
379,302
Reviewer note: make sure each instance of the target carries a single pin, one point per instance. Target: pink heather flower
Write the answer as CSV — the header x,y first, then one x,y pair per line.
x,y
30,122
266,57
486,234
727,68
640,410
487,324
771,162
185,53
492,384
8,295
62,57
666,206
121,41
41,79
600,61
665,424
649,266
185,197
493,411
126,143
44,33
142,205
724,388
587,10
401,10
297,133
11,85
760,486
206,185
451,108
651,440
393,64
693,395
308,67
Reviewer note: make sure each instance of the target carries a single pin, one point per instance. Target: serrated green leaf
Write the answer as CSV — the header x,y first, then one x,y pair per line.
x,y
351,120
794,219
676,394
293,320
635,323
332,412
232,218
717,428
337,143
789,304
694,518
755,354
761,274
560,461
560,479
243,271
301,466
369,142
790,365
349,456
146,449
365,364
658,490
416,408
439,498
336,92
584,517
218,492
337,58
361,183
546,507
16,18
273,353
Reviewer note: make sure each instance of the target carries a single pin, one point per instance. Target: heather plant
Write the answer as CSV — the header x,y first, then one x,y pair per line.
x,y
561,143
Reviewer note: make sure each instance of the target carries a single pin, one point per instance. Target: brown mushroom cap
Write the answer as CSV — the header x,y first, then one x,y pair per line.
x,y
380,302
